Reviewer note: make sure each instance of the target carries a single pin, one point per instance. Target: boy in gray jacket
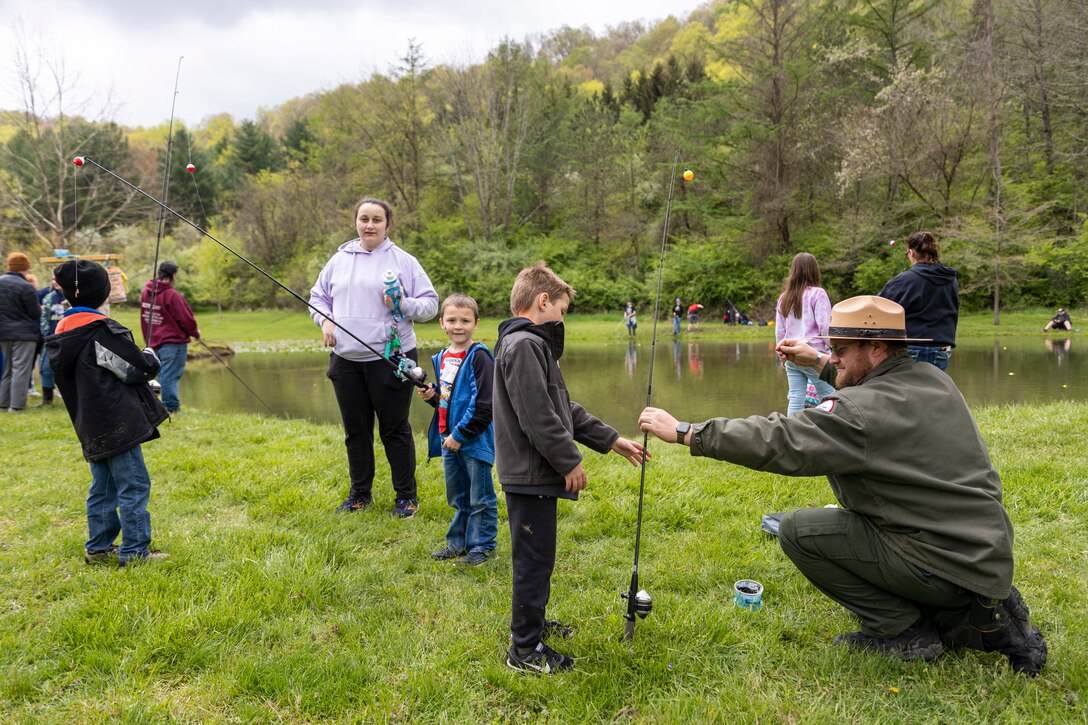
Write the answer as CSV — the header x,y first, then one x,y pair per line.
x,y
537,459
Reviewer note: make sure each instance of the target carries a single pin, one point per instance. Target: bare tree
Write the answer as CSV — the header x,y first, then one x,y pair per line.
x,y
49,199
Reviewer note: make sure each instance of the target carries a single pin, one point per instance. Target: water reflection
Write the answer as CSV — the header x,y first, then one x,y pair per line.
x,y
1059,347
698,380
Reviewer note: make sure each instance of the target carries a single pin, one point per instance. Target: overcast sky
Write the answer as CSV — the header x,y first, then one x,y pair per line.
x,y
240,55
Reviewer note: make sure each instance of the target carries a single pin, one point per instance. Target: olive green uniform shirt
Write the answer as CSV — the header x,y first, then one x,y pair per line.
x,y
900,448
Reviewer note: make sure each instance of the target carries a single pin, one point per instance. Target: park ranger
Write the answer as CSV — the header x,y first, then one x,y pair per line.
x,y
921,548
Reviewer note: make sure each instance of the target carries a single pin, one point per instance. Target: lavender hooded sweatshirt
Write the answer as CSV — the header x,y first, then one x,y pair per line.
x,y
349,291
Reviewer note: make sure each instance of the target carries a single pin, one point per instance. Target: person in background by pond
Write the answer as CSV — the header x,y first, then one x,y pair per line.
x,y
19,333
693,317
351,290
103,377
677,315
462,435
803,312
929,292
170,325
1059,321
921,551
630,319
53,305
30,391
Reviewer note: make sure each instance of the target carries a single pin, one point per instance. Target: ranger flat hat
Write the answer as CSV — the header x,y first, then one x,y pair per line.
x,y
868,317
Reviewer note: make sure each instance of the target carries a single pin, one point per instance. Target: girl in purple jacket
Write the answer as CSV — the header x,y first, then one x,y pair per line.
x,y
803,312
376,290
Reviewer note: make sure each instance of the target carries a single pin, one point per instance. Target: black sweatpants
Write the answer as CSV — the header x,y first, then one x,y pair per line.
x,y
363,390
532,556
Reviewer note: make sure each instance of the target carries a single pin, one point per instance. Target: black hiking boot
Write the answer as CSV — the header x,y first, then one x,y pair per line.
x,y
1014,636
919,641
448,554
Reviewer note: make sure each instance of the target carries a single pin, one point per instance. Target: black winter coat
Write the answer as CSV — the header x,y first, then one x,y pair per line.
x,y
102,376
19,308
536,422
930,295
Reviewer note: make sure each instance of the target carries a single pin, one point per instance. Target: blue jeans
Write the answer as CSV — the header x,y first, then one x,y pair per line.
x,y
47,372
471,493
172,356
119,482
934,355
676,325
799,377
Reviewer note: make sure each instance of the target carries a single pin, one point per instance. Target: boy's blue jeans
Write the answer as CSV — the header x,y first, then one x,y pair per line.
x,y
119,482
172,356
471,493
47,372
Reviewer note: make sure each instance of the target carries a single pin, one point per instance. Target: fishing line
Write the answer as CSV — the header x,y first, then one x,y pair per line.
x,y
162,211
405,367
236,375
639,602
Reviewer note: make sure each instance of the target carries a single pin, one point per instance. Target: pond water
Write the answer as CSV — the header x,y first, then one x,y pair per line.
x,y
693,379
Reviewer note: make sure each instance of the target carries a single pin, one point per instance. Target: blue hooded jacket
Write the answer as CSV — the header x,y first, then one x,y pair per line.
x,y
470,406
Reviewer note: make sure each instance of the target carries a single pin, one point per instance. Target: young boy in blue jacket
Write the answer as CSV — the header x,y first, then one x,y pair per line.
x,y
461,433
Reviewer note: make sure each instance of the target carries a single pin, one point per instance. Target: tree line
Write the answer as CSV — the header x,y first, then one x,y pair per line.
x,y
829,126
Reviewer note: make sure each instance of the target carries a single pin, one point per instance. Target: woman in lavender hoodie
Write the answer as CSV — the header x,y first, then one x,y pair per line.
x,y
803,312
351,291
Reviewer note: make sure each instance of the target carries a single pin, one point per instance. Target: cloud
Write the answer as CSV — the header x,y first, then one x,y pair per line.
x,y
240,56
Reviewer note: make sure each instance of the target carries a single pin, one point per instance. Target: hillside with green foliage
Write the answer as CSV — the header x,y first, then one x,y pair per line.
x,y
827,127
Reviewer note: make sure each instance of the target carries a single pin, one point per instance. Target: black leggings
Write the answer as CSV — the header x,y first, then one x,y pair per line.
x,y
364,389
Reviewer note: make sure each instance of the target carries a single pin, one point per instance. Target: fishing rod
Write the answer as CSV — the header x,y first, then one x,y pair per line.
x,y
405,367
162,212
236,376
639,602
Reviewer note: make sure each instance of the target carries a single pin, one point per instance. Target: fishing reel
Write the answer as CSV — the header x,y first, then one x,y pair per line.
x,y
643,602
408,370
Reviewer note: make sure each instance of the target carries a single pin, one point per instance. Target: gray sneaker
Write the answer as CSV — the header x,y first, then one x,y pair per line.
x,y
474,558
448,554
919,641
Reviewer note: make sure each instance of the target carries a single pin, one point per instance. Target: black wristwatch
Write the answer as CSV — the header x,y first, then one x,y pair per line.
x,y
682,431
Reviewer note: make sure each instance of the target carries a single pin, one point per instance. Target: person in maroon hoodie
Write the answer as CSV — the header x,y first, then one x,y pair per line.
x,y
167,328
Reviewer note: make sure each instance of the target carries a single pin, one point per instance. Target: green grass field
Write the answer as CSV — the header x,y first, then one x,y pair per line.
x,y
273,609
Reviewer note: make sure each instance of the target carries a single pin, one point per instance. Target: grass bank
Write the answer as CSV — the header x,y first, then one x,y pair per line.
x,y
273,609
283,330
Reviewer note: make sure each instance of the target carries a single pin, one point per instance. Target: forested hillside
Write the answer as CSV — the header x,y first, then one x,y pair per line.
x,y
823,126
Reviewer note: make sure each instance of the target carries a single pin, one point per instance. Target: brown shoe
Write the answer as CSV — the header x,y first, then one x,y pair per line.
x,y
100,558
153,555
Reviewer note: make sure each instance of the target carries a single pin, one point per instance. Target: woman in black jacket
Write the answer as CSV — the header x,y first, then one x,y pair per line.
x,y
930,294
19,332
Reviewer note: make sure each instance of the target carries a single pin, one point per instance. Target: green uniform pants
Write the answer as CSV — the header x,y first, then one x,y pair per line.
x,y
842,555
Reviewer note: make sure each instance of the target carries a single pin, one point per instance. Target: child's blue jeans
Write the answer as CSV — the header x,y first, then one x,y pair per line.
x,y
119,482
471,493
798,377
